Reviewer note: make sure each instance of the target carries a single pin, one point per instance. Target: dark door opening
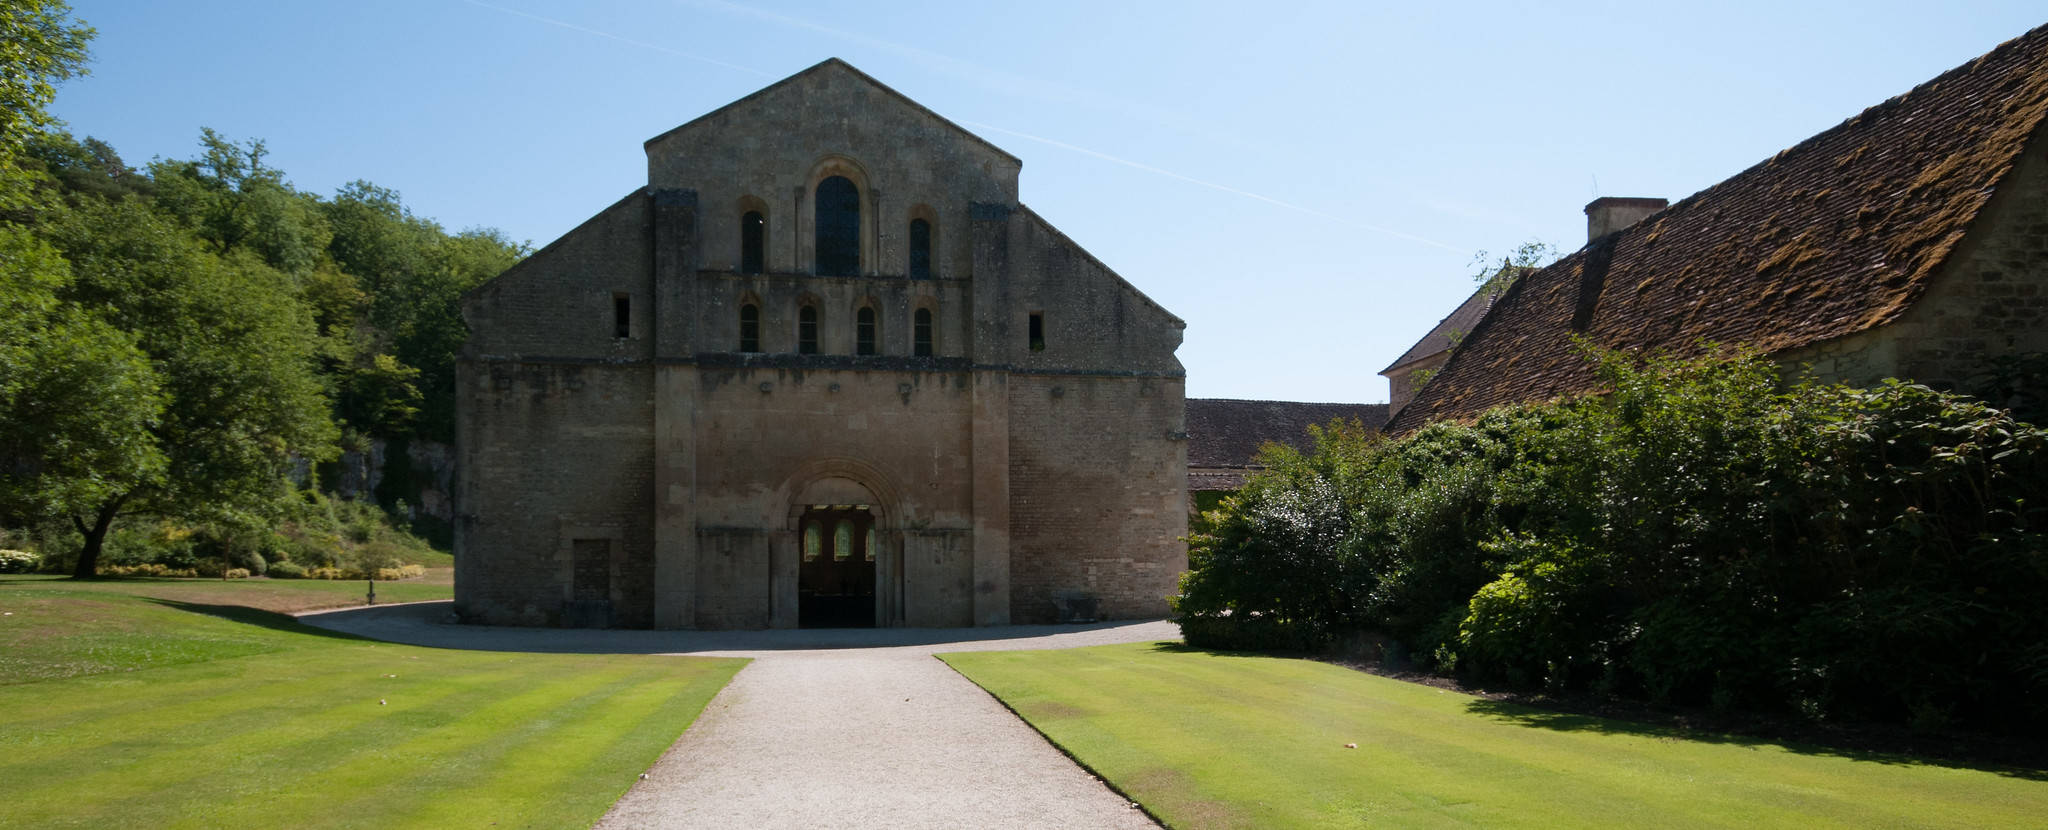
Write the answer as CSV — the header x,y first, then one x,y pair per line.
x,y
836,578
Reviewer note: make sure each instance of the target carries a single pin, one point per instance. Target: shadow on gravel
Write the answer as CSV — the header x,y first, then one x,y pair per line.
x,y
432,624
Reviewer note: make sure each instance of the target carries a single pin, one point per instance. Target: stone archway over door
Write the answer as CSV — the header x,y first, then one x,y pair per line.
x,y
836,567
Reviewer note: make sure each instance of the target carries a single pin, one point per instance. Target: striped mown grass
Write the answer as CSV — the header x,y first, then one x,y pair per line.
x,y
145,711
1203,739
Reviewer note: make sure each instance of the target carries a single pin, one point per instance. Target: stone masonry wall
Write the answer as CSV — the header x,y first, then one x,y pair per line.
x,y
1098,493
559,302
553,453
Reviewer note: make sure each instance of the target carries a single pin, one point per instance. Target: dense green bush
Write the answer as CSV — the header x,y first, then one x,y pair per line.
x,y
286,570
312,530
1695,536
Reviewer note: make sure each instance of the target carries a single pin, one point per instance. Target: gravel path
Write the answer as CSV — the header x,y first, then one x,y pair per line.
x,y
842,728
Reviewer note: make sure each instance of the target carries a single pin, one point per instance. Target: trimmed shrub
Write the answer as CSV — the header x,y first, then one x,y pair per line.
x,y
145,569
285,570
1696,536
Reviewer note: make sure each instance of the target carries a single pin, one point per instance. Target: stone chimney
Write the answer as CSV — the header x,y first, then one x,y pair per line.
x,y
1608,214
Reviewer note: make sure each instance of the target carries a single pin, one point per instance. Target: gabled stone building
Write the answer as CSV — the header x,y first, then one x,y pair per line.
x,y
823,369
1910,241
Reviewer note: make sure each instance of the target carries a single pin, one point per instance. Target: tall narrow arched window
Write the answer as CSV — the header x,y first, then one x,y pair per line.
x,y
842,540
753,241
921,333
920,249
838,225
750,328
807,330
864,335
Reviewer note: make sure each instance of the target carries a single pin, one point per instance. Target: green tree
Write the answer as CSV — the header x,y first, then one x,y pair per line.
x,y
231,198
1527,257
86,168
40,45
412,274
233,348
80,398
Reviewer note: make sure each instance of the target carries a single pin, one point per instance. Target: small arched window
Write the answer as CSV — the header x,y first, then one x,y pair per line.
x,y
814,543
807,330
838,226
750,327
921,333
920,249
753,241
864,335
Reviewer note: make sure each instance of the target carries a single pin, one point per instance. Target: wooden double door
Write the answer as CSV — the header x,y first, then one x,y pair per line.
x,y
836,577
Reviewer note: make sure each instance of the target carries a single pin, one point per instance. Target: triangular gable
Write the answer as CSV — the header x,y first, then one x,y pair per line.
x,y
817,69
1454,327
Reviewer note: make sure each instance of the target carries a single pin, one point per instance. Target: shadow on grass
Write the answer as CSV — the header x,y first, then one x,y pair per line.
x,y
1178,647
256,617
1871,744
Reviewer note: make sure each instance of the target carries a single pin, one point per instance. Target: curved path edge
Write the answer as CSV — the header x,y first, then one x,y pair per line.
x,y
852,728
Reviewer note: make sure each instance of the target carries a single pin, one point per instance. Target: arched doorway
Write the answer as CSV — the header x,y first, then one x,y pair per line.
x,y
837,547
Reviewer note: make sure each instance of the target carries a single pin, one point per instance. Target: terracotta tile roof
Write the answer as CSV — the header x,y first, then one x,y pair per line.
x,y
1454,326
1836,235
1225,435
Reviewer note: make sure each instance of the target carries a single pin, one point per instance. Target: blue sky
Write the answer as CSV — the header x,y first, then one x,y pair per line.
x,y
1304,183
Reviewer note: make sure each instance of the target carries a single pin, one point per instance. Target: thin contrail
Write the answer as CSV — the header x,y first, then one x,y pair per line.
x,y
642,44
1214,186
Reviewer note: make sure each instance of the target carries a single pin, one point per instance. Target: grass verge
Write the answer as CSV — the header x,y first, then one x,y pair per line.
x,y
284,596
152,704
1205,739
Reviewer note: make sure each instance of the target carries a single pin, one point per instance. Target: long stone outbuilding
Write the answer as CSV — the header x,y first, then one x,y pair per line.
x,y
824,369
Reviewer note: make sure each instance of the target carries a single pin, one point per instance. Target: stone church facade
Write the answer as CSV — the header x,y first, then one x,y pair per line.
x,y
824,369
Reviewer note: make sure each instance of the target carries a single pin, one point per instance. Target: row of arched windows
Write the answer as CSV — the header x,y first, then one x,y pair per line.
x,y
867,330
837,228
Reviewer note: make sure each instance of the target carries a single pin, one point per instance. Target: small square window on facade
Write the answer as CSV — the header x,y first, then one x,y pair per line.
x,y
622,316
1038,331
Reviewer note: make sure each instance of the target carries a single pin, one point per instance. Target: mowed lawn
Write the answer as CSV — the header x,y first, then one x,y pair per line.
x,y
1213,740
160,704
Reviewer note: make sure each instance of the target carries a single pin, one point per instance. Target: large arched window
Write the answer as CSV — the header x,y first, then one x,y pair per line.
x,y
920,249
921,333
750,328
807,330
838,226
753,241
864,331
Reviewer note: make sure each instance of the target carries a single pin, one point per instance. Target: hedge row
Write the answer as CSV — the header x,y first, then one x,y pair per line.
x,y
1696,537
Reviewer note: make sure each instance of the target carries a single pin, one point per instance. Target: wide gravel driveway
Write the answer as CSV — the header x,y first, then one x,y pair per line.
x,y
854,728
